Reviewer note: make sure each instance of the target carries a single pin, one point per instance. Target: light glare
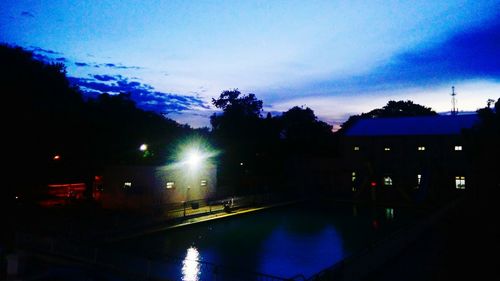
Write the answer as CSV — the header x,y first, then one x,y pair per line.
x,y
190,265
194,159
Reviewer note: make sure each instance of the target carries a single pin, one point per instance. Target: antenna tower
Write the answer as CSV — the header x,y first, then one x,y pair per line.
x,y
454,110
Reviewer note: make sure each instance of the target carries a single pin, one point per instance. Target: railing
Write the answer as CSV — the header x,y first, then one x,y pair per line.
x,y
166,215
140,268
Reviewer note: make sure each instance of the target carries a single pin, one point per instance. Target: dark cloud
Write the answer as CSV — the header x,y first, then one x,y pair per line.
x,y
46,51
119,66
108,65
47,55
82,64
41,57
27,14
144,95
107,77
469,54
473,53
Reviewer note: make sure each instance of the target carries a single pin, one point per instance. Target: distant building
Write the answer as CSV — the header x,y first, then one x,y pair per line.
x,y
407,158
143,187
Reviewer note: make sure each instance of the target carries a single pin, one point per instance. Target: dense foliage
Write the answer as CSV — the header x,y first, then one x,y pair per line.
x,y
53,134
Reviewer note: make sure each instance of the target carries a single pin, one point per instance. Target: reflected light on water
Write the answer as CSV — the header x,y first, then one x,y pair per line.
x,y
190,265
389,213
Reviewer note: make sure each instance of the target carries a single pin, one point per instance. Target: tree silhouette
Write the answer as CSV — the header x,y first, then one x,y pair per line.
x,y
484,153
238,132
302,132
48,118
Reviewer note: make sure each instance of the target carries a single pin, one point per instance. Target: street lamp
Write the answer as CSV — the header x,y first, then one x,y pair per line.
x,y
194,159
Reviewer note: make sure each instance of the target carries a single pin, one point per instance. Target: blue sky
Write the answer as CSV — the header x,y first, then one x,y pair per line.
x,y
337,57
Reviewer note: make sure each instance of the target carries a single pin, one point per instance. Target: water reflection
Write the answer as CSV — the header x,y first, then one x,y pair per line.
x,y
287,253
190,265
389,213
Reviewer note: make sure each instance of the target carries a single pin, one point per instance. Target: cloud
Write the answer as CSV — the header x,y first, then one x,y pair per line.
x,y
46,51
82,64
107,65
119,66
27,14
107,77
470,54
53,56
145,96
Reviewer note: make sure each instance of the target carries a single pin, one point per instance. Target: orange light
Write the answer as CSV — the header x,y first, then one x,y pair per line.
x,y
57,157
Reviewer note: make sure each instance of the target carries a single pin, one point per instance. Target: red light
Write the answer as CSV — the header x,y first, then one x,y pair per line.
x,y
373,184
57,157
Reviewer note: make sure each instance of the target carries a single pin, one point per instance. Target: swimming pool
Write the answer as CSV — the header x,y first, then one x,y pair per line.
x,y
301,239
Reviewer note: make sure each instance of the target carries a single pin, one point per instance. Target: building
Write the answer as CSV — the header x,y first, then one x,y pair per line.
x,y
144,187
413,159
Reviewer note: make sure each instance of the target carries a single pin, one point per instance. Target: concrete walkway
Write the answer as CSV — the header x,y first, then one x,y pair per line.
x,y
170,222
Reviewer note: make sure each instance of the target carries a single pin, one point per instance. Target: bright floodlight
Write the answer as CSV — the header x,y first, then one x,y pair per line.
x,y
194,158
143,147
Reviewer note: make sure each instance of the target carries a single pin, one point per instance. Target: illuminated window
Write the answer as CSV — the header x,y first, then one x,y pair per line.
x,y
170,185
387,149
421,148
458,147
353,179
387,181
460,182
389,213
356,148
127,185
203,183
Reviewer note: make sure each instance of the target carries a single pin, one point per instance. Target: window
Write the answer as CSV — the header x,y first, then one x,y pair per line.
x,y
203,183
419,180
387,181
170,184
356,148
460,182
389,213
387,149
421,148
458,147
353,179
127,185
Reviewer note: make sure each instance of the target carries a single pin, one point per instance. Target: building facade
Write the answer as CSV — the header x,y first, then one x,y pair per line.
x,y
409,159
144,187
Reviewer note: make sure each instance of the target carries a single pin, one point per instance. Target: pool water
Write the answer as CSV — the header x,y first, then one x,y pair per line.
x,y
283,241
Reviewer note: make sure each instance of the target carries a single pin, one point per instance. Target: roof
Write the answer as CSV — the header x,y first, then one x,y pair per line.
x,y
411,126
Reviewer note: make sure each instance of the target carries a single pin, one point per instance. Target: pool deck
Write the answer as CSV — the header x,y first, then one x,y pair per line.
x,y
172,222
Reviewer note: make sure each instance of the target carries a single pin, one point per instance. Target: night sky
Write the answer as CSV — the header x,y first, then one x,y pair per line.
x,y
337,57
